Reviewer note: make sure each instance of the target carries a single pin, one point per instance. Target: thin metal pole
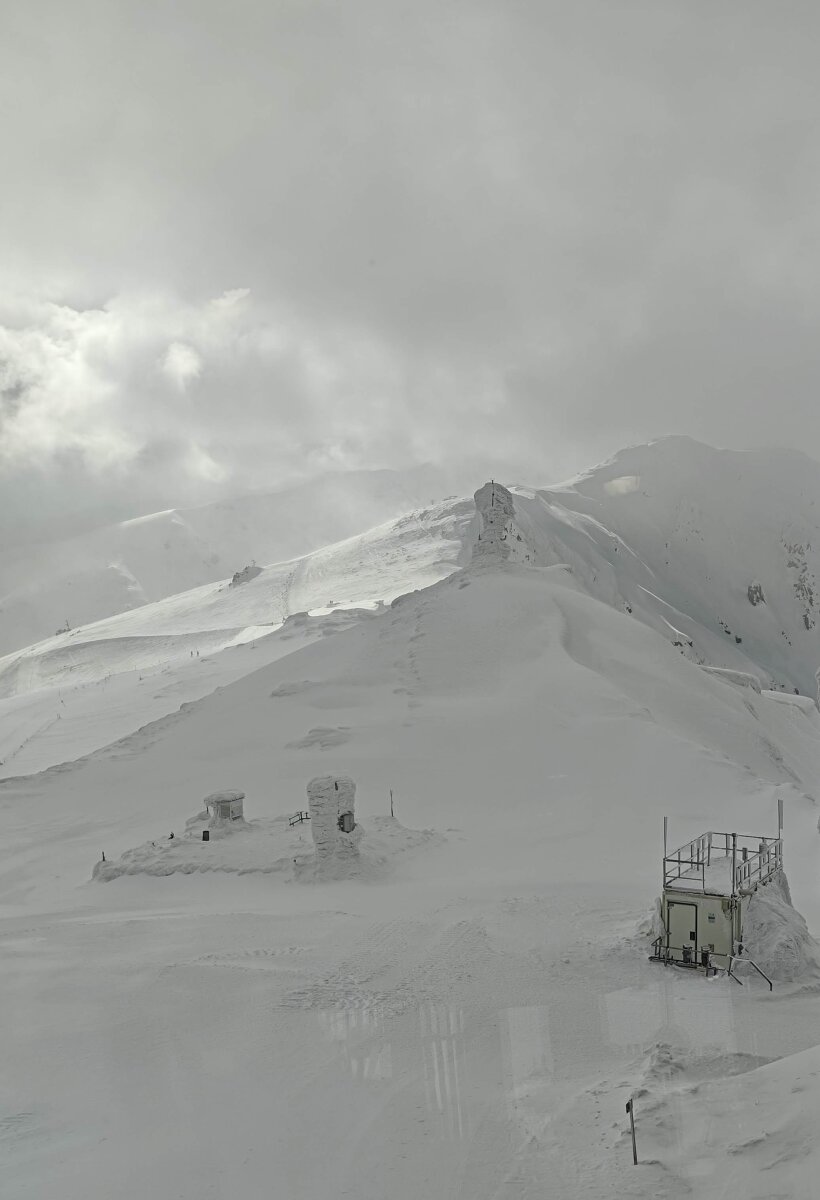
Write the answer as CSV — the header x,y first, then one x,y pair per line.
x,y
734,860
632,1126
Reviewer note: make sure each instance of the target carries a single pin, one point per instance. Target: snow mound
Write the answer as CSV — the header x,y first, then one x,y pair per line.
x,y
670,1062
776,937
753,1137
267,847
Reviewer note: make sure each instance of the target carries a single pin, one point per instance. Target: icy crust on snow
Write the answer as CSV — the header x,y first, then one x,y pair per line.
x,y
271,847
776,937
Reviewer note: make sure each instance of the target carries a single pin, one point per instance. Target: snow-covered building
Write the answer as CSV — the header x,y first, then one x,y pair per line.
x,y
707,885
224,807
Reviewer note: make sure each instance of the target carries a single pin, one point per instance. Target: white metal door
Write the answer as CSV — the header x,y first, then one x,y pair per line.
x,y
683,927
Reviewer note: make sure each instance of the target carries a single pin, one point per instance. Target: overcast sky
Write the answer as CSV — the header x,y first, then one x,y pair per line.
x,y
244,242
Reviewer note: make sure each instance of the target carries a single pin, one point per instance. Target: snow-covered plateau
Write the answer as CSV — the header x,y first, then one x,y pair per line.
x,y
521,686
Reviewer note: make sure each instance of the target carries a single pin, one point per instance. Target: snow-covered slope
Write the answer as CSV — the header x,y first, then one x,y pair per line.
x,y
718,550
471,1022
122,566
82,689
173,638
479,1017
521,665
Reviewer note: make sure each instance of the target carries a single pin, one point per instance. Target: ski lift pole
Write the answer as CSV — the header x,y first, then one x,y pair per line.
x,y
630,1110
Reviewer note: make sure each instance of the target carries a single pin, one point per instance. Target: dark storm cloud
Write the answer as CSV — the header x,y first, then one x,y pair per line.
x,y
246,242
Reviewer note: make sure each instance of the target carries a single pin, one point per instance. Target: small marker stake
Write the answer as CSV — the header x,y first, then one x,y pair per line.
x,y
632,1125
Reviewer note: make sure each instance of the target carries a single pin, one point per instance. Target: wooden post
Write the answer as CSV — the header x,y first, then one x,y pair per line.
x,y
629,1109
391,802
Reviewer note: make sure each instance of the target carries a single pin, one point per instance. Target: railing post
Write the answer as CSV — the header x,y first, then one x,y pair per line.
x,y
629,1109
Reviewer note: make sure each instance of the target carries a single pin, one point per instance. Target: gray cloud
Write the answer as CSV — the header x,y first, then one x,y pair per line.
x,y
245,243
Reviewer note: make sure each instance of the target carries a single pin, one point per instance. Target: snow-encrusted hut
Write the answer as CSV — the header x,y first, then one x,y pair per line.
x,y
224,807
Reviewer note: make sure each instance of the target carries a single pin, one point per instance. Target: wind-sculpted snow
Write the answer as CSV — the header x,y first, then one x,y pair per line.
x,y
738,678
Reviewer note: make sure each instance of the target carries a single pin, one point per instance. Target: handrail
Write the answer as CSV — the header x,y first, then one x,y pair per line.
x,y
660,948
763,973
751,963
662,952
747,872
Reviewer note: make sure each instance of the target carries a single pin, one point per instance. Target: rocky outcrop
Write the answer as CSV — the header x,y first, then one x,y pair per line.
x,y
245,575
755,594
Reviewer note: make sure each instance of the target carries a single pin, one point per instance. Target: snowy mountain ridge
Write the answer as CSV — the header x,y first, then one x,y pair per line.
x,y
717,550
714,550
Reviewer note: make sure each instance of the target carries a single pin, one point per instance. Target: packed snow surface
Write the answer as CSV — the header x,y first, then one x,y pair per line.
x,y
470,1016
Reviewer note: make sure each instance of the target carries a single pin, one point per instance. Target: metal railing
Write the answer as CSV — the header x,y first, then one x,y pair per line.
x,y
755,860
735,958
695,855
695,959
759,867
298,817
689,956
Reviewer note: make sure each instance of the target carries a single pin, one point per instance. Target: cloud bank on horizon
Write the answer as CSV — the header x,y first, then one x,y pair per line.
x,y
243,245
